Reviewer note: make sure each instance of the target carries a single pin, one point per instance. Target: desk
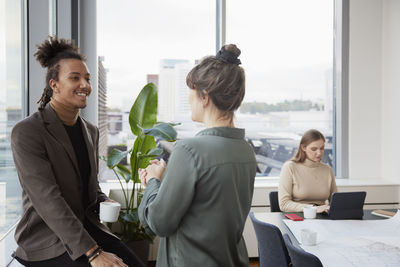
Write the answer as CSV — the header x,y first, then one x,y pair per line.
x,y
348,242
276,218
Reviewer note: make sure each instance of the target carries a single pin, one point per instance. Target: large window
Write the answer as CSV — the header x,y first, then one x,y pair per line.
x,y
287,53
288,57
152,41
11,88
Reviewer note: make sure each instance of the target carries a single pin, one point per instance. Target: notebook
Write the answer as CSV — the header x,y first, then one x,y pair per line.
x,y
347,205
383,213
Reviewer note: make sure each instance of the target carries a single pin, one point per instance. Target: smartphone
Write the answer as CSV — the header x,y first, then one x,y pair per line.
x,y
293,217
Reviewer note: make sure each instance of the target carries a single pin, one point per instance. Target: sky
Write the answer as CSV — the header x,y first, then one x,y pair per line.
x,y
286,45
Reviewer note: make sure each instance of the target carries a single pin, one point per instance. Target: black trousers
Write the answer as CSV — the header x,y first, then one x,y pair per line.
x,y
107,242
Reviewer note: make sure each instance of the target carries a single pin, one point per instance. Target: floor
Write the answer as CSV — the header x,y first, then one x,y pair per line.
x,y
253,263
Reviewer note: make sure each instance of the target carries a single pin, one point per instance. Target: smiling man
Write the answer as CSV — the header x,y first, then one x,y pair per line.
x,y
56,156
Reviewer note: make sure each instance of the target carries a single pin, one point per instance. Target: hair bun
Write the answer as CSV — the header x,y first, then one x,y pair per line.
x,y
50,48
229,54
233,49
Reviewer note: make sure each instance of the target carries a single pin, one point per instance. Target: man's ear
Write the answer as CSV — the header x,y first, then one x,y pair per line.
x,y
53,85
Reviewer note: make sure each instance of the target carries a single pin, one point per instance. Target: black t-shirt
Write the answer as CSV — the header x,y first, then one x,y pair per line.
x,y
78,142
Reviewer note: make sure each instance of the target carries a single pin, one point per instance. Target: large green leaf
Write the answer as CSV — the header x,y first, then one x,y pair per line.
x,y
144,111
123,169
155,152
131,217
142,146
149,144
124,172
115,157
173,123
162,131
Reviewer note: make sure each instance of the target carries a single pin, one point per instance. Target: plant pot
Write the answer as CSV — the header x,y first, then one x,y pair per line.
x,y
141,249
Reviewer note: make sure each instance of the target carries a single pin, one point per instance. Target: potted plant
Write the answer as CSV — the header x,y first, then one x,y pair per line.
x,y
144,125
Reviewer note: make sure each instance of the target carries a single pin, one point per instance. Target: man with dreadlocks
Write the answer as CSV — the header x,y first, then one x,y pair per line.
x,y
56,155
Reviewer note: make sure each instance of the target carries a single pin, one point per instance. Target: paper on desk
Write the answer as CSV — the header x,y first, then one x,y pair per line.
x,y
353,242
355,251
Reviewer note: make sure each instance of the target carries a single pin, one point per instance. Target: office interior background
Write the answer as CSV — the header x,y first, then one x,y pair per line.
x,y
332,65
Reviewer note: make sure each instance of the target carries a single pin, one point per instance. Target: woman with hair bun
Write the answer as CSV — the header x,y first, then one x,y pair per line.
x,y
56,155
304,179
199,203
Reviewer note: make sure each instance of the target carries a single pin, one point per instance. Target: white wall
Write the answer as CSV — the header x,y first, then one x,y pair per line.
x,y
365,89
374,89
391,91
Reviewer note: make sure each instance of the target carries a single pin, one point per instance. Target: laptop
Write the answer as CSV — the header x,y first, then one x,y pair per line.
x,y
347,205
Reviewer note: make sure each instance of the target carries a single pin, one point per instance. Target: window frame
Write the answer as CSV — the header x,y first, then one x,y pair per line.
x,y
8,237
340,127
341,88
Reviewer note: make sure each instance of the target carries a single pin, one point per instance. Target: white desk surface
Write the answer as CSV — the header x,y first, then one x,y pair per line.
x,y
350,242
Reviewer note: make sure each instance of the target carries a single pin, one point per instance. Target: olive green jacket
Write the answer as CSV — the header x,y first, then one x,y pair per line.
x,y
200,207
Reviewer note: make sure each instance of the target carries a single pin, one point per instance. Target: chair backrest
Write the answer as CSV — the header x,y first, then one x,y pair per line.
x,y
299,257
274,202
271,247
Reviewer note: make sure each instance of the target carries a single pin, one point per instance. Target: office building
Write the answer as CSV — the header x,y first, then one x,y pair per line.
x,y
102,107
152,78
172,91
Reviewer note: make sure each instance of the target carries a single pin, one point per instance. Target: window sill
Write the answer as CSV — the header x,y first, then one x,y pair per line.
x,y
273,182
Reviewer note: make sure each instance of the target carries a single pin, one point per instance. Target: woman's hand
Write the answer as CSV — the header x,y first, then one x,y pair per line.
x,y
323,208
106,259
154,170
142,176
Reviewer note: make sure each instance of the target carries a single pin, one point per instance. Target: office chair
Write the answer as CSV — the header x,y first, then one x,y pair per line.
x,y
299,257
274,202
271,247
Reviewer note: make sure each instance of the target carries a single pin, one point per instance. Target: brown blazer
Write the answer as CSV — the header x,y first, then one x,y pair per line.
x,y
48,171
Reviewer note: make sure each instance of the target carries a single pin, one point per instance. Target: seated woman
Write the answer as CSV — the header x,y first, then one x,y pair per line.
x,y
304,179
199,203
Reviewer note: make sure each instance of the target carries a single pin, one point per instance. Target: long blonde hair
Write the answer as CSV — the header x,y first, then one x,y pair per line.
x,y
307,138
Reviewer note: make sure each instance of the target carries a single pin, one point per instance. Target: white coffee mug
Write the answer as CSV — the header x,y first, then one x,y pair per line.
x,y
308,237
310,212
109,211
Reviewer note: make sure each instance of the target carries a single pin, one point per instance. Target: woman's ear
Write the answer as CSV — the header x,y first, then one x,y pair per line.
x,y
303,148
205,98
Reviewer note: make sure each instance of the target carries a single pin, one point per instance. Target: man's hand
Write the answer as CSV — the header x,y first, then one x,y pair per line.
x,y
106,259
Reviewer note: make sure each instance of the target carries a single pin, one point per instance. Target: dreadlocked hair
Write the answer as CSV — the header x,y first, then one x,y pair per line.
x,y
49,54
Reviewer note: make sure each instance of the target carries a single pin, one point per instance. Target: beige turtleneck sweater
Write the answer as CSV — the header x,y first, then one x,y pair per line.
x,y
306,183
67,115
